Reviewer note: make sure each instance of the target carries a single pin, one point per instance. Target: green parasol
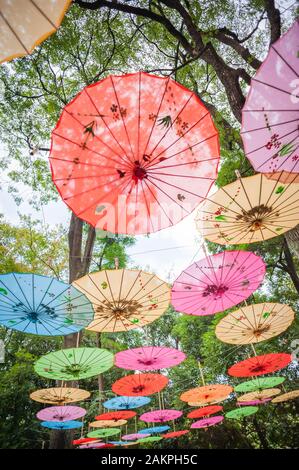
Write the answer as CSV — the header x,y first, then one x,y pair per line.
x,y
74,363
145,440
105,432
259,384
240,413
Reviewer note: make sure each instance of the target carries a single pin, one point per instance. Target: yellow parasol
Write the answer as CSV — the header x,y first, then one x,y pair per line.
x,y
124,299
259,395
25,24
107,423
59,395
249,210
286,396
254,323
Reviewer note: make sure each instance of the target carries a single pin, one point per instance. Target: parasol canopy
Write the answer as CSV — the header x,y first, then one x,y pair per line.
x,y
207,394
74,363
97,445
286,396
62,426
124,299
139,385
126,403
116,415
259,384
205,411
84,440
259,395
174,434
134,154
61,413
134,436
254,402
254,323
240,413
249,210
148,440
260,365
160,416
154,430
217,282
42,305
149,358
206,423
59,395
26,24
105,423
270,115
104,432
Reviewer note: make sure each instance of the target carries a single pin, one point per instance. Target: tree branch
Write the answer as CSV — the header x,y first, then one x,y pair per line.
x,y
273,15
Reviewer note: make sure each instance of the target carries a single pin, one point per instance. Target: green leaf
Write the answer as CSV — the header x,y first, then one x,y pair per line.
x,y
286,149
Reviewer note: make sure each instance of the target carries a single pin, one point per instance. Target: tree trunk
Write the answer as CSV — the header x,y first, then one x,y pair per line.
x,y
78,267
292,238
291,268
261,434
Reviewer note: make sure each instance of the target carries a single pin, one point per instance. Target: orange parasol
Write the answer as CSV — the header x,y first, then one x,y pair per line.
x,y
59,395
25,24
259,395
140,385
124,299
249,210
207,394
254,323
286,396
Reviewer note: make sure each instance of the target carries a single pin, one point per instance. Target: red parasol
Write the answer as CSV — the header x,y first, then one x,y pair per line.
x,y
140,385
85,440
149,358
116,415
134,153
160,416
174,434
260,365
205,411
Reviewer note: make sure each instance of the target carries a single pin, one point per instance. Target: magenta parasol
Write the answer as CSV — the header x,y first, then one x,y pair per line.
x,y
160,416
206,423
149,358
61,413
217,282
134,436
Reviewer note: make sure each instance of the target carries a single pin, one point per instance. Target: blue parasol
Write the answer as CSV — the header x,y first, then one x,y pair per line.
x,y
153,430
61,425
126,403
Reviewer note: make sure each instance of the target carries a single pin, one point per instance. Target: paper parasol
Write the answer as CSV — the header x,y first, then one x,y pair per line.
x,y
254,402
205,411
148,440
134,436
286,396
174,434
154,430
217,282
124,298
259,394
206,423
126,403
61,413
260,365
24,25
254,323
112,423
259,384
270,115
249,210
85,440
207,394
240,413
139,385
99,445
62,426
74,363
116,415
123,443
104,432
134,154
160,416
59,395
42,305
149,358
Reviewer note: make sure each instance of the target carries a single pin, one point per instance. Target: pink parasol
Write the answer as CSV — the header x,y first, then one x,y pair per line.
x,y
134,436
160,416
217,282
270,115
149,358
100,445
61,413
206,423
